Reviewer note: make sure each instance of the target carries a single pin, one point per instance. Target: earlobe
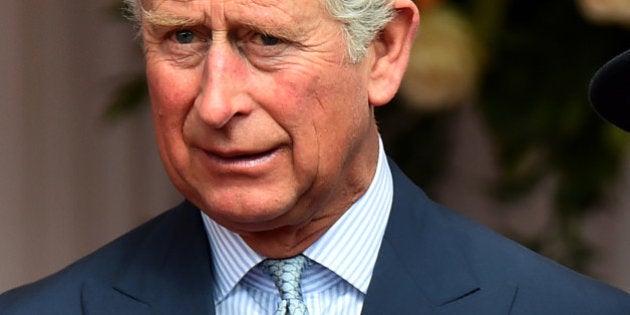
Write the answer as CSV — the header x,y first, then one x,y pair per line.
x,y
391,50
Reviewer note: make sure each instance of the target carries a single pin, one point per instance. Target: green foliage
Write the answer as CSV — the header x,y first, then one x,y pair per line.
x,y
416,141
132,94
535,101
128,98
540,58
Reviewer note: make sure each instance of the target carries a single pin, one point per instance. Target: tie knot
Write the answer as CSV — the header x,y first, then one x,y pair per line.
x,y
286,274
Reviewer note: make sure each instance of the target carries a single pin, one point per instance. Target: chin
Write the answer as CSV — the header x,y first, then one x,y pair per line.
x,y
251,216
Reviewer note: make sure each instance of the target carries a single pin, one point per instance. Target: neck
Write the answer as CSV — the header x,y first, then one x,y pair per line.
x,y
291,240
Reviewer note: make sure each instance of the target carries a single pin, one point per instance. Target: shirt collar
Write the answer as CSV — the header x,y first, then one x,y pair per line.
x,y
349,248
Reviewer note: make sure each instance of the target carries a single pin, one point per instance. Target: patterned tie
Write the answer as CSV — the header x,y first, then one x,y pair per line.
x,y
286,275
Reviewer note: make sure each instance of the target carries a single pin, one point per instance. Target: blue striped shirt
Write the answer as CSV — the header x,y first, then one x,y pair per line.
x,y
344,258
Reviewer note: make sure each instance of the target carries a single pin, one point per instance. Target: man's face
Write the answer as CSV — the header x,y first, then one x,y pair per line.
x,y
260,118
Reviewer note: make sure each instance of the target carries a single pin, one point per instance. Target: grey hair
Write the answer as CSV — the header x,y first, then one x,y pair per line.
x,y
362,20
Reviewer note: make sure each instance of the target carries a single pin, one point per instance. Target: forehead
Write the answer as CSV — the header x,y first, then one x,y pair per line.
x,y
261,11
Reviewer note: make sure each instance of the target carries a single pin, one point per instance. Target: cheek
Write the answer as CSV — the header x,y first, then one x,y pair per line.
x,y
323,113
290,100
172,95
171,91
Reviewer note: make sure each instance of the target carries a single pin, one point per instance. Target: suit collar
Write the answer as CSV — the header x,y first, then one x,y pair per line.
x,y
169,273
420,265
420,268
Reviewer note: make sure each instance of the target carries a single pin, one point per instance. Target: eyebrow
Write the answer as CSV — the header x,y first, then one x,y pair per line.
x,y
164,20
160,20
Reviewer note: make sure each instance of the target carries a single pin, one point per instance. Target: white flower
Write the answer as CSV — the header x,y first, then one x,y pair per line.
x,y
606,11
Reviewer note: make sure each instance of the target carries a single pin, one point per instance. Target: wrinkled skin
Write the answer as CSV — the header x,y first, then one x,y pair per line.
x,y
260,119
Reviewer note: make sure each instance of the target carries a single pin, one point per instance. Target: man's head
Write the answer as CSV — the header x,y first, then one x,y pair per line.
x,y
264,113
610,91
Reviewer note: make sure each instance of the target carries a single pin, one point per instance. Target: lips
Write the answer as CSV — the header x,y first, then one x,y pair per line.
x,y
240,158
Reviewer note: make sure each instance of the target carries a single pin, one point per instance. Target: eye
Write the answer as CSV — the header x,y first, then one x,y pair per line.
x,y
184,36
261,49
268,40
185,47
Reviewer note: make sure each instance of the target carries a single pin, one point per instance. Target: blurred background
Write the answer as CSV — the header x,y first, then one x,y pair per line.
x,y
492,120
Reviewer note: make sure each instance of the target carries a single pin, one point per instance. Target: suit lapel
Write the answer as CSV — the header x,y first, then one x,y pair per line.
x,y
420,268
170,273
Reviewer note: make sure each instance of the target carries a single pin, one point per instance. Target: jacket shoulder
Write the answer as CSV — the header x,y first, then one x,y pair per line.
x,y
60,293
543,285
493,261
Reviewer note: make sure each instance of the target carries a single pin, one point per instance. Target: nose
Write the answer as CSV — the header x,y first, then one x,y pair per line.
x,y
223,83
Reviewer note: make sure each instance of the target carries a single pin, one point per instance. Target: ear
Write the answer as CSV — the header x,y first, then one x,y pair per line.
x,y
391,50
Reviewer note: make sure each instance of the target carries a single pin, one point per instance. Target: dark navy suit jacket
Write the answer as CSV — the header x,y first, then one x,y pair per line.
x,y
432,261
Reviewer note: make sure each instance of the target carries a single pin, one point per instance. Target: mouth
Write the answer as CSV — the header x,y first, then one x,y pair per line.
x,y
241,159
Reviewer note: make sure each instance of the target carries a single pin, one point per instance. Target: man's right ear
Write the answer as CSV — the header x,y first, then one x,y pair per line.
x,y
391,52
